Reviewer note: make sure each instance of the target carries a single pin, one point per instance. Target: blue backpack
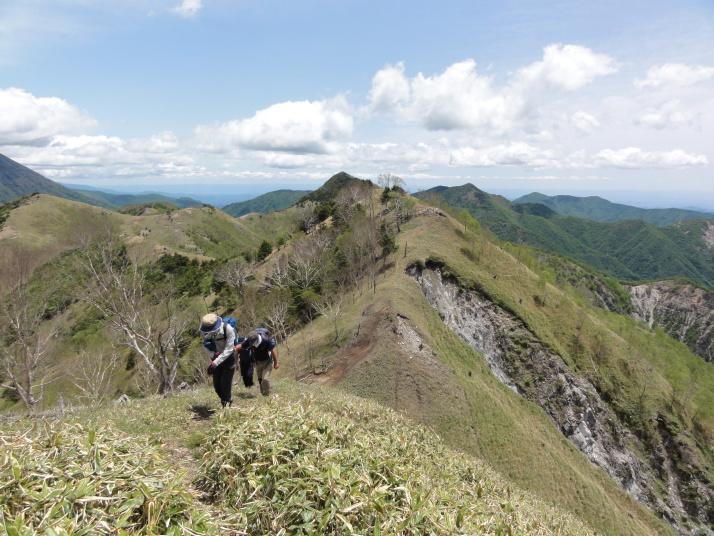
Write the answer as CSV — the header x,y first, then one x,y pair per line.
x,y
263,351
210,345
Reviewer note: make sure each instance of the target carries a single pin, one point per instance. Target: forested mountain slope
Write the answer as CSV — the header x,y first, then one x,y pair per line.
x,y
17,180
599,209
277,200
631,250
589,410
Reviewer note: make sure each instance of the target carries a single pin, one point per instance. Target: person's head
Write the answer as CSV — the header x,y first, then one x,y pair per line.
x,y
253,339
210,323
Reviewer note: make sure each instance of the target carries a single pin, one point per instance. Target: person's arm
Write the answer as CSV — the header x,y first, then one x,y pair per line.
x,y
274,354
229,349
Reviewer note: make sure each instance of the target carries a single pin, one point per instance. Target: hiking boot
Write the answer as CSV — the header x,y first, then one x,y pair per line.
x,y
265,387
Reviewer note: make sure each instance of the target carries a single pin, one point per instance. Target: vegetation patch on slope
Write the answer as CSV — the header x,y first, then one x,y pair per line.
x,y
331,464
68,479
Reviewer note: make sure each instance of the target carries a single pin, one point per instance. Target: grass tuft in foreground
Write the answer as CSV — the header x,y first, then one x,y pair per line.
x,y
67,479
325,463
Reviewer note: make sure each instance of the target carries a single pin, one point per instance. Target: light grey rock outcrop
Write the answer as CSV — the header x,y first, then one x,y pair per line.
x,y
684,312
519,360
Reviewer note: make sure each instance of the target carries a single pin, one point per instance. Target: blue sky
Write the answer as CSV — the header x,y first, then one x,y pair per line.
x,y
539,96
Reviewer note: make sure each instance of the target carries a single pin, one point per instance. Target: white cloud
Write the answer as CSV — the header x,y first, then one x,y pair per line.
x,y
635,158
513,154
188,8
459,98
567,68
26,119
163,142
462,98
585,122
297,127
670,115
105,156
674,75
390,88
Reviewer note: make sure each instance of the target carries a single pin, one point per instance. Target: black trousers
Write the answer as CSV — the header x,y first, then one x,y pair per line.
x,y
245,359
223,379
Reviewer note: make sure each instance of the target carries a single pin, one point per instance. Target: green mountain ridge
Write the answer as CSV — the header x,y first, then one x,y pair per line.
x,y
598,209
121,200
277,200
356,319
329,190
18,181
628,249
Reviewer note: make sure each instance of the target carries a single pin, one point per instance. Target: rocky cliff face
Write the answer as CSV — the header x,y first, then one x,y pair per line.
x,y
682,311
524,364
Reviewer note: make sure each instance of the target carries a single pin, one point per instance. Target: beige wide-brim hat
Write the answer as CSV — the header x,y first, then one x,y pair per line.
x,y
210,322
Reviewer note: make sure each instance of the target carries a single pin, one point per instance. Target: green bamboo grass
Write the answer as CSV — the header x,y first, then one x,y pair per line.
x,y
334,464
67,479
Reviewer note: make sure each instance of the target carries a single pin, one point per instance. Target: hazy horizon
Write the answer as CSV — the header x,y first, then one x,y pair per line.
x,y
233,193
562,95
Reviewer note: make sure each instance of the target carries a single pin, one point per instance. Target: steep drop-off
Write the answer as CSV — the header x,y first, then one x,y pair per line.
x,y
527,366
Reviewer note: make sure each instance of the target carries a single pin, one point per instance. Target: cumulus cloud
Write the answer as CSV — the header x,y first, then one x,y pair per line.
x,y
567,68
636,158
26,119
512,154
188,8
296,127
106,156
463,98
456,99
390,89
674,75
670,115
585,122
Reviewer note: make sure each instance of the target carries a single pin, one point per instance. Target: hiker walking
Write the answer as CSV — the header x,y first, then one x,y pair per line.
x,y
219,339
245,362
262,347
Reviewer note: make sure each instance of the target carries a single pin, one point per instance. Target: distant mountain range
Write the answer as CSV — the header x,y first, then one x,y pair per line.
x,y
122,200
598,209
17,181
629,249
277,200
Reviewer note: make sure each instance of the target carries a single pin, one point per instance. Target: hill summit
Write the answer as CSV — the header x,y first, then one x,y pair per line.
x,y
17,181
331,188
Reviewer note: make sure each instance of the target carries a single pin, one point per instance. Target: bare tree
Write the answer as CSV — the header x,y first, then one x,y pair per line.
x,y
150,320
277,319
307,261
278,277
402,205
359,247
350,199
332,309
26,338
389,180
235,274
94,374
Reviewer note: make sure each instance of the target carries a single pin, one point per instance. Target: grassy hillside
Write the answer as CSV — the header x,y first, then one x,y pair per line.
x,y
329,190
48,225
599,209
441,381
17,180
630,250
367,328
307,461
122,200
278,200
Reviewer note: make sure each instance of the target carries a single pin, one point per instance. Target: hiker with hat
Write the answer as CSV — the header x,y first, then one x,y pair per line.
x,y
219,338
259,343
